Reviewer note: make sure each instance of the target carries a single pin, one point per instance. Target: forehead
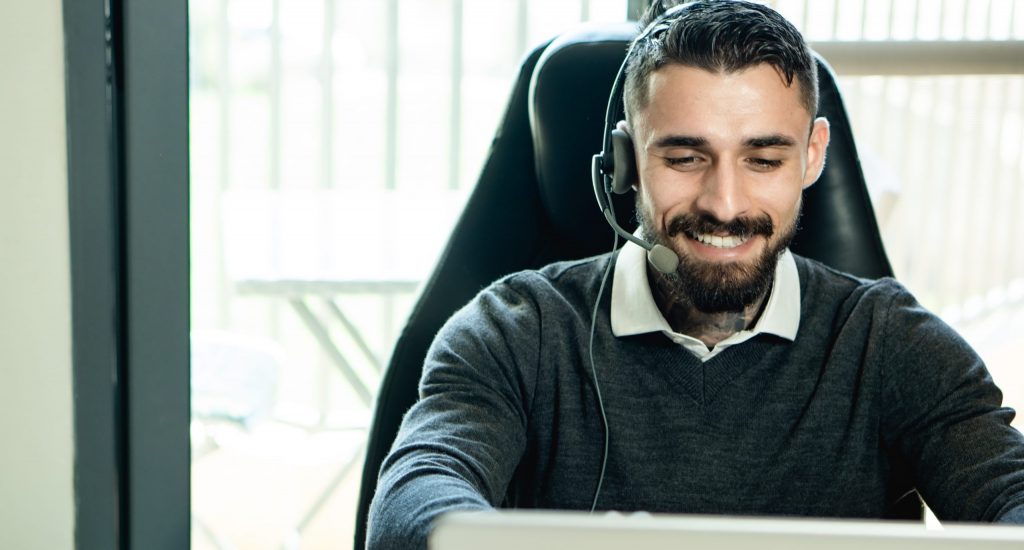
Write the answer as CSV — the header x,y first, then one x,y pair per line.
x,y
695,101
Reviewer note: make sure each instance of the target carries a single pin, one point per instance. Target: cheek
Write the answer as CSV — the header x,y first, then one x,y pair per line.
x,y
778,197
649,192
646,204
665,190
783,207
662,202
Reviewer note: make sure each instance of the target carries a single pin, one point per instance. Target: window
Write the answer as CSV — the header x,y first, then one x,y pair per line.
x,y
333,143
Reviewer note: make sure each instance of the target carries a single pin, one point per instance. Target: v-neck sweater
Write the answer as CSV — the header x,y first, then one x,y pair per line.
x,y
875,397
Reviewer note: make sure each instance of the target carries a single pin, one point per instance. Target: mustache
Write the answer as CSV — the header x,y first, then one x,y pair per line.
x,y
692,224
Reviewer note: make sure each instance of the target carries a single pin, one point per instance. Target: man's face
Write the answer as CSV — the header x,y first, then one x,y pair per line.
x,y
723,159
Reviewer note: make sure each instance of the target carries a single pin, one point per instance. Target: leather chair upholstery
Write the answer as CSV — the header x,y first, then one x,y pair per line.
x,y
533,204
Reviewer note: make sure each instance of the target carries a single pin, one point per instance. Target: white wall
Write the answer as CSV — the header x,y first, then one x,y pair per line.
x,y
36,445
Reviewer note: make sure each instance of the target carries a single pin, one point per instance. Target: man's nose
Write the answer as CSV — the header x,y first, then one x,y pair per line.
x,y
722,193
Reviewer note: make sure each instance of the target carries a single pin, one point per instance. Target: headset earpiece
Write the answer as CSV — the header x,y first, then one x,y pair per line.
x,y
624,175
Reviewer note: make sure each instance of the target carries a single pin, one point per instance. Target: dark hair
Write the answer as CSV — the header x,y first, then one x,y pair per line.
x,y
719,36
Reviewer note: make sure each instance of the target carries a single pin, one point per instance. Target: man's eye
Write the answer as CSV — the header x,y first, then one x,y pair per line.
x,y
765,164
681,161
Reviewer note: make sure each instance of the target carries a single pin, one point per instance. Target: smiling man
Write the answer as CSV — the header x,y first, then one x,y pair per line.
x,y
725,156
747,380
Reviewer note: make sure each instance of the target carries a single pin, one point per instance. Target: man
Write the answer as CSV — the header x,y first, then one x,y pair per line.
x,y
747,381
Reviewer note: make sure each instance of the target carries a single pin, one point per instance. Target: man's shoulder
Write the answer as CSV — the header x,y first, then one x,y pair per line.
x,y
855,314
556,288
562,276
814,270
522,298
817,277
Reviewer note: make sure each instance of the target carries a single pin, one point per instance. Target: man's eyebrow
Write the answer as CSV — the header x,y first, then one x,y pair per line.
x,y
680,141
774,140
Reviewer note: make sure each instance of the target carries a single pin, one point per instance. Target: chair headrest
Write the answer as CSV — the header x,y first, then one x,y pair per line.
x,y
568,98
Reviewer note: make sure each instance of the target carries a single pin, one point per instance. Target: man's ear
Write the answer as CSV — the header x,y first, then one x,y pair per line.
x,y
816,147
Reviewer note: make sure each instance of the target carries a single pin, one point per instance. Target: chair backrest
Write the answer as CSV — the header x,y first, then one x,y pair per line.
x,y
533,204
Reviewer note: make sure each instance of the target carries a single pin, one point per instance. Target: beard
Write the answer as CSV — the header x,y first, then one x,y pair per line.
x,y
716,287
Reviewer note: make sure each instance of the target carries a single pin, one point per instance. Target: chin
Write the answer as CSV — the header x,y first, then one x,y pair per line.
x,y
715,287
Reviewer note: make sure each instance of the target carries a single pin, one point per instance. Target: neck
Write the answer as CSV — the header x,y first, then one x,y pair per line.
x,y
685,318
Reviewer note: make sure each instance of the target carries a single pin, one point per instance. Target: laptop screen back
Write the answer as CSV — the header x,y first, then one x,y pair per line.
x,y
541,530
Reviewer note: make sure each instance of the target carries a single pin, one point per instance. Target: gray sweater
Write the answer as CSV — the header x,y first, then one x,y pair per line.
x,y
875,396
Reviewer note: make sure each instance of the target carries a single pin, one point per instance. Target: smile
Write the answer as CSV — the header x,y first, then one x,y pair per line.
x,y
730,241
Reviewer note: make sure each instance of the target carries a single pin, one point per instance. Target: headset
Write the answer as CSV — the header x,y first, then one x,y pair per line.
x,y
614,171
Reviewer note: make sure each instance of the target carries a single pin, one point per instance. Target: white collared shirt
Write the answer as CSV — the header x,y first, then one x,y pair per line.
x,y
635,312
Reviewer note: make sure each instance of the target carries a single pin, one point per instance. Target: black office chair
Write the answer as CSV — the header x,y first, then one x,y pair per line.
x,y
534,204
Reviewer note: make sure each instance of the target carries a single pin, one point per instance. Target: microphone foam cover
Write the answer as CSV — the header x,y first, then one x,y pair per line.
x,y
663,259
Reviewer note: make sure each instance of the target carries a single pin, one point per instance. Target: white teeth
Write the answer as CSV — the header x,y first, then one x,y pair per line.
x,y
731,241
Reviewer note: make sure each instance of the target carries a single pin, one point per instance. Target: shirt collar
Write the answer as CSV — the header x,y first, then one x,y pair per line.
x,y
633,310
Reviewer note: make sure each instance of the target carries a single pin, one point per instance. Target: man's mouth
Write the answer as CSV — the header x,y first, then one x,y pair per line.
x,y
729,241
721,235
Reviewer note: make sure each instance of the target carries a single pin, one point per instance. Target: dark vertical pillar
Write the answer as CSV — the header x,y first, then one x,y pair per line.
x,y
127,117
154,109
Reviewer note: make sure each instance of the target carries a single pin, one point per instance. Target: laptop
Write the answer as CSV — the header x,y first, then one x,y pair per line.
x,y
542,530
